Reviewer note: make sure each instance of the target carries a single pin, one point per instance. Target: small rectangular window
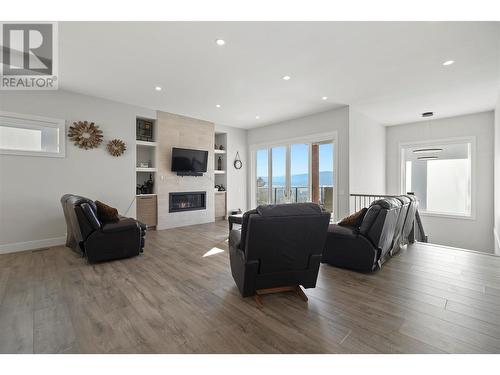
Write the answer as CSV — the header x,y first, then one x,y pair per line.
x,y
31,135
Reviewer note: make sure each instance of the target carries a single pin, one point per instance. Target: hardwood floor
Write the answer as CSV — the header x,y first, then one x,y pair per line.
x,y
173,300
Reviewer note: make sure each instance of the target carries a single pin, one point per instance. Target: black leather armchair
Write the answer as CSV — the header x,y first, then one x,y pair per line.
x,y
98,241
364,248
278,246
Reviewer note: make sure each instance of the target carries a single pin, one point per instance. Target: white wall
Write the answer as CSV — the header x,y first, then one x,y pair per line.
x,y
366,155
476,234
308,126
236,178
497,177
30,187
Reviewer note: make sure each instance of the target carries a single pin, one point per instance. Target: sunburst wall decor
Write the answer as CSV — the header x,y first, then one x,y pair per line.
x,y
85,135
116,147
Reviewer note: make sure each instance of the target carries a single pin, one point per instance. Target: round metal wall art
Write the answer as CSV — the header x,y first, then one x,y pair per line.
x,y
116,147
85,135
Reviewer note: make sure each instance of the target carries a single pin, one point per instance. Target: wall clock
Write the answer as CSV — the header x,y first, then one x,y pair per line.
x,y
237,161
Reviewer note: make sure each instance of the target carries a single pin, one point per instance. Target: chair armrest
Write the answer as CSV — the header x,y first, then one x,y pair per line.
x,y
123,224
235,238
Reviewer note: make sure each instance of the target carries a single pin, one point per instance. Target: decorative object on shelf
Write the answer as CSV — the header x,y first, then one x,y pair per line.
x,y
219,164
144,165
237,161
146,187
217,187
144,130
222,188
221,147
216,146
116,147
85,135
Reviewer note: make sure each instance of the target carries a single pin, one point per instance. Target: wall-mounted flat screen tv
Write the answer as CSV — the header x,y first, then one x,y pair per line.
x,y
187,160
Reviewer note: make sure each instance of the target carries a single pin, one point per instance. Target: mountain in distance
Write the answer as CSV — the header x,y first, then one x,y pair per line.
x,y
325,179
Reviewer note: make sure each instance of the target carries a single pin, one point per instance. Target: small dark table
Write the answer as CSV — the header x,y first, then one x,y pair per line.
x,y
235,219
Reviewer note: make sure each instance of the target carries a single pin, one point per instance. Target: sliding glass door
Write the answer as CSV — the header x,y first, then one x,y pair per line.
x,y
296,172
299,173
262,174
322,169
279,175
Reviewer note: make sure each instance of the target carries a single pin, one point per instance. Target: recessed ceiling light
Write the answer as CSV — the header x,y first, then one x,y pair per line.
x,y
217,105
324,98
427,114
448,62
427,157
220,42
427,150
157,88
286,78
257,117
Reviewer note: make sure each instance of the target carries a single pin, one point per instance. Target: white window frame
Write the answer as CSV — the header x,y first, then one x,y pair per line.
x,y
308,139
35,122
438,142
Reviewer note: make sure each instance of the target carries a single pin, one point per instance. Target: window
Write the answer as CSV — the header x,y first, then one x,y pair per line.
x,y
262,176
31,135
296,171
440,176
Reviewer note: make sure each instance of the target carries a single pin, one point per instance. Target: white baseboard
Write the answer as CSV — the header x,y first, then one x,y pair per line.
x,y
31,245
497,241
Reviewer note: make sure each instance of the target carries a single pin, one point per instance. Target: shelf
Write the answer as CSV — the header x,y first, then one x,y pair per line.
x,y
137,169
146,143
219,151
219,172
145,195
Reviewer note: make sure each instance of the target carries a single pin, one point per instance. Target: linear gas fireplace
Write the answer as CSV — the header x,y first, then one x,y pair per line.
x,y
187,201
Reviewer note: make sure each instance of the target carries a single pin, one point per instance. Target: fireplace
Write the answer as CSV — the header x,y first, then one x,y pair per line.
x,y
187,201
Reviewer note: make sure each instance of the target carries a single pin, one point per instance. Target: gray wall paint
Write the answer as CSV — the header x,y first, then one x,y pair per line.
x,y
366,155
474,234
30,187
335,120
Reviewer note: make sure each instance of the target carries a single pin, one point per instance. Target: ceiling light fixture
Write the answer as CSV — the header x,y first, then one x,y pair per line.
x,y
427,114
286,78
157,88
217,105
257,117
427,150
324,98
427,157
449,62
220,42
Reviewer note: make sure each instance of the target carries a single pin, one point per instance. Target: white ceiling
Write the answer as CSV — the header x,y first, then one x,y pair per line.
x,y
391,71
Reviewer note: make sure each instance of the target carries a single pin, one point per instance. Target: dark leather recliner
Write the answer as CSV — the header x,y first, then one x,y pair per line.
x,y
278,246
97,241
365,248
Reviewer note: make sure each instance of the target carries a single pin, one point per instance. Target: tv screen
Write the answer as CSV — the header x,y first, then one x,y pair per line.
x,y
187,160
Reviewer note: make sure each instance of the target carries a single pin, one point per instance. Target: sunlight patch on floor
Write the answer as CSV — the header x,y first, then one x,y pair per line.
x,y
213,251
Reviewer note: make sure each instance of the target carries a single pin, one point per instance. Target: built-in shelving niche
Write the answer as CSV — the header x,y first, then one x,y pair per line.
x,y
146,149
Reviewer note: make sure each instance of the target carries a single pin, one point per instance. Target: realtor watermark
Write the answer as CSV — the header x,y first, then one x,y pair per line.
x,y
29,56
